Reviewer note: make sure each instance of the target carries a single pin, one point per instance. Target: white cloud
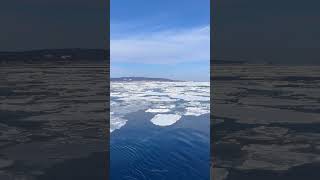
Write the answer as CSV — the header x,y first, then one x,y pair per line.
x,y
163,47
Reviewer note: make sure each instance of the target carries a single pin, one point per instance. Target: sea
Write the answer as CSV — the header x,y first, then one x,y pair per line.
x,y
160,130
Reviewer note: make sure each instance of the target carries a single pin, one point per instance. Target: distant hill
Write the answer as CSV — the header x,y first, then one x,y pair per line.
x,y
128,79
55,55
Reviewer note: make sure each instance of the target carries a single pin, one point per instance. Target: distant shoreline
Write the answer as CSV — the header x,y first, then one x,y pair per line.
x,y
55,56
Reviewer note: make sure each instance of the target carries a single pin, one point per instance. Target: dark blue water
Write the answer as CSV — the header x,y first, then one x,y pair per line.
x,y
143,151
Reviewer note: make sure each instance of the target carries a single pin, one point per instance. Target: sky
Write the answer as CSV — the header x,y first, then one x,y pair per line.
x,y
281,32
167,39
51,24
284,32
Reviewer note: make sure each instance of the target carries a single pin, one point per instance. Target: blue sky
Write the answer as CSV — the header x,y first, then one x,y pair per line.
x,y
167,38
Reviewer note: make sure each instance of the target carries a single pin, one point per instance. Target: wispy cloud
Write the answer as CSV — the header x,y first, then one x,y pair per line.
x,y
162,47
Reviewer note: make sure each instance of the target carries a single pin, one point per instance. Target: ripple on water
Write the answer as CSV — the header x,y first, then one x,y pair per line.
x,y
172,154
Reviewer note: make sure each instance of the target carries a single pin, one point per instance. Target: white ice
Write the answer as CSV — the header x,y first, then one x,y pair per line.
x,y
158,110
165,119
196,111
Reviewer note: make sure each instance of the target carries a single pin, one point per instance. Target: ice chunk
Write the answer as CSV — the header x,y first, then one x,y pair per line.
x,y
158,110
165,119
196,111
116,122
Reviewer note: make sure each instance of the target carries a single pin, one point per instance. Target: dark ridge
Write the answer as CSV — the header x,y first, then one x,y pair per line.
x,y
127,79
55,55
285,78
223,61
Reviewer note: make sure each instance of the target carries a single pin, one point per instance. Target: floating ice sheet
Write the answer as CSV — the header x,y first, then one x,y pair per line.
x,y
165,119
158,110
196,111
116,122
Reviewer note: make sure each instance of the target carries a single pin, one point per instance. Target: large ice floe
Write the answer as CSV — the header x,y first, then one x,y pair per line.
x,y
166,101
165,119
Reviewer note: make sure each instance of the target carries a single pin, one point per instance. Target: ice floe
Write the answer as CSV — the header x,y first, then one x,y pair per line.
x,y
158,110
165,119
116,122
196,111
